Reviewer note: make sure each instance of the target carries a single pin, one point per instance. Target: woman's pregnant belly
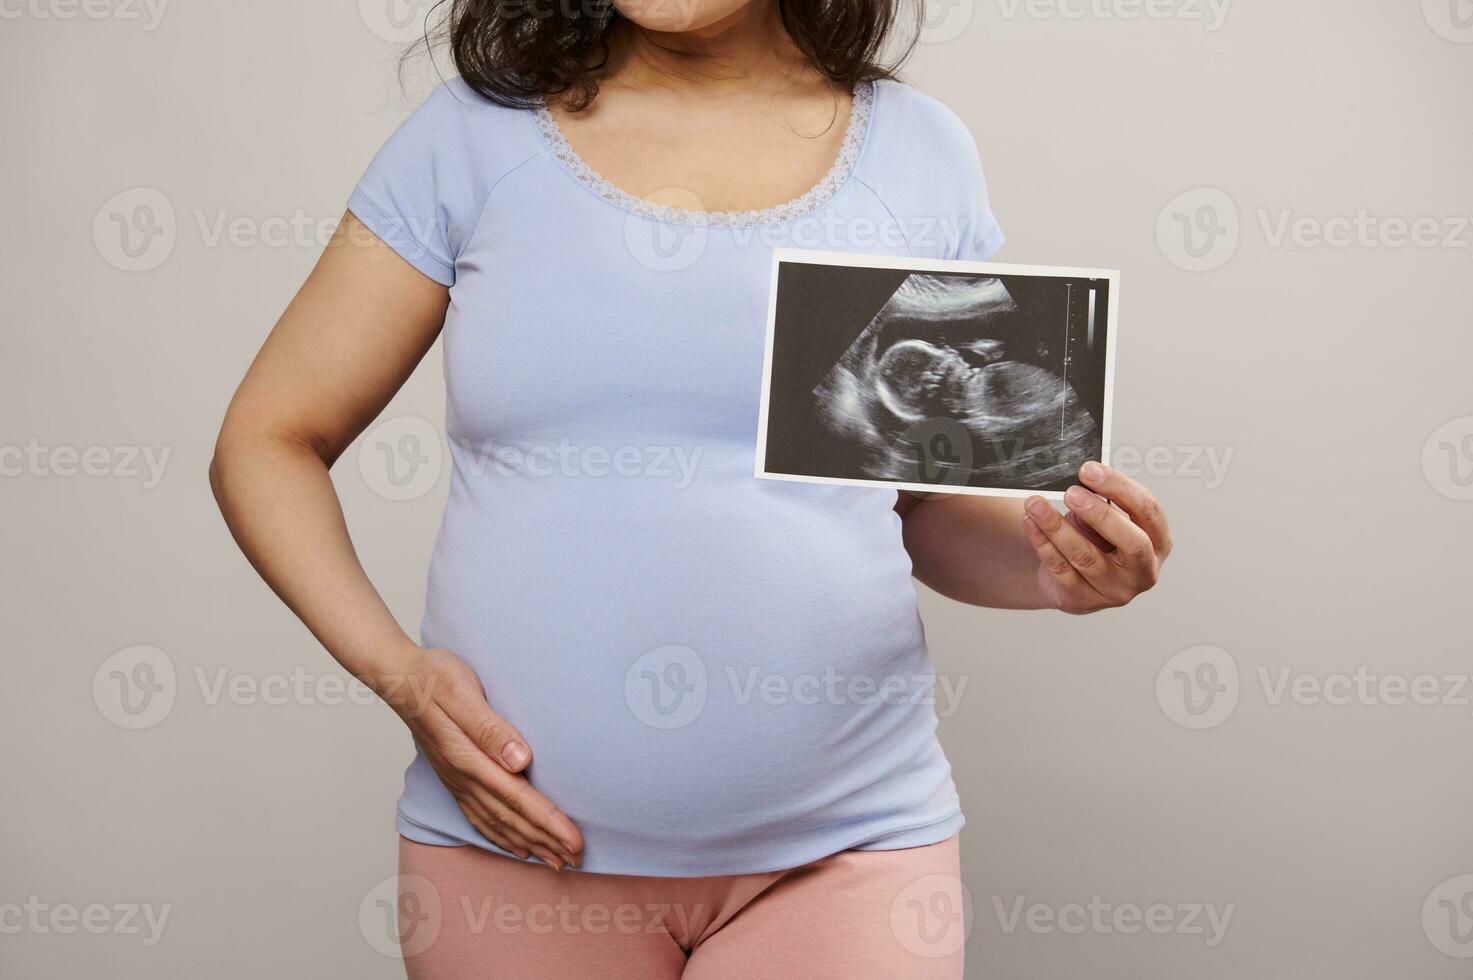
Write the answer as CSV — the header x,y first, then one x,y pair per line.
x,y
716,674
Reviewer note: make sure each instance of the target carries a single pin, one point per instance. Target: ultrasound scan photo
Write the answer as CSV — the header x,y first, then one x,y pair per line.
x,y
955,377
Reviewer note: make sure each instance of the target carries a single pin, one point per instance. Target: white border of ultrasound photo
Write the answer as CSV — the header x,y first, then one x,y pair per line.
x,y
811,257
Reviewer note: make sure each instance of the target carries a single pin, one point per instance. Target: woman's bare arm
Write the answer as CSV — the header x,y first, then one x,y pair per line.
x,y
972,549
348,341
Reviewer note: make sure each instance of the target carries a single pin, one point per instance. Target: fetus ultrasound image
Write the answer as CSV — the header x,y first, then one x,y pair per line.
x,y
936,378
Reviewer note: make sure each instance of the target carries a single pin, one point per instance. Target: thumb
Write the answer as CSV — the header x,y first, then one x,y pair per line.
x,y
492,733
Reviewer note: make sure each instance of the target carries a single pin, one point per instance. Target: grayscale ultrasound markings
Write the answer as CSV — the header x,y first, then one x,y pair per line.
x,y
1064,375
917,374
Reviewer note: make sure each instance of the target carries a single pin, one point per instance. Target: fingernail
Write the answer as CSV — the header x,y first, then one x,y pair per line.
x,y
515,754
1092,471
1037,506
1079,498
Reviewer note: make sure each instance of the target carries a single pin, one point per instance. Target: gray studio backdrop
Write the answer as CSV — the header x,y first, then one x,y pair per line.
x,y
1259,770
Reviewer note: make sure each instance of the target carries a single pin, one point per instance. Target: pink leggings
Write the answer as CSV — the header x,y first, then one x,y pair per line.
x,y
467,914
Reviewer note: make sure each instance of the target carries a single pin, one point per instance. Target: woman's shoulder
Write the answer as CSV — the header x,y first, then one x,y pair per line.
x,y
917,121
458,133
922,162
456,96
426,187
455,116
456,127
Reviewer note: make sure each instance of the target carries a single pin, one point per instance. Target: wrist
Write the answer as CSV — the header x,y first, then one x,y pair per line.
x,y
389,670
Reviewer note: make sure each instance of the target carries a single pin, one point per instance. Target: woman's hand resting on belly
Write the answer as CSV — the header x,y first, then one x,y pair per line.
x,y
479,757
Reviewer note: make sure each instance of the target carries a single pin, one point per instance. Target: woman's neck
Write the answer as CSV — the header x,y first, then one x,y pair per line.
x,y
749,50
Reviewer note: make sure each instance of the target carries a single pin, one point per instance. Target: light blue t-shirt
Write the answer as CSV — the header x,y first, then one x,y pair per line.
x,y
717,674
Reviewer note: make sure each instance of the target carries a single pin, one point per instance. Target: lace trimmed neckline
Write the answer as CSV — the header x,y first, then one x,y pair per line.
x,y
814,198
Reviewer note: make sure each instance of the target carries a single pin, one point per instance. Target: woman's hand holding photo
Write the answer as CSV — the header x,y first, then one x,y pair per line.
x,y
1107,550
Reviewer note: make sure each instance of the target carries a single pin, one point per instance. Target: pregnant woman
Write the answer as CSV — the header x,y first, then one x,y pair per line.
x,y
671,720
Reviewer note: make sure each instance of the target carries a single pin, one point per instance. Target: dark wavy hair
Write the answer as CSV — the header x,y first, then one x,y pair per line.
x,y
518,52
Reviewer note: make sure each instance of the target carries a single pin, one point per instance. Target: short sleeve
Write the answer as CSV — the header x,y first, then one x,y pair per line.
x,y
922,163
978,234
415,192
